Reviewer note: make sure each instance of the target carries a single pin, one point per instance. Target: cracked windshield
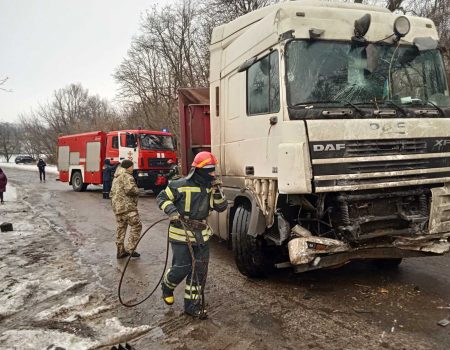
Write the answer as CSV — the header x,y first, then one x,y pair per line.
x,y
156,142
344,73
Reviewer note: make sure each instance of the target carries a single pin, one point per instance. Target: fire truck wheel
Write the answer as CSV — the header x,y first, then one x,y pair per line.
x,y
77,182
388,264
248,251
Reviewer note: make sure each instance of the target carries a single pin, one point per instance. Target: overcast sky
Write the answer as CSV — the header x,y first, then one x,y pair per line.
x,y
48,44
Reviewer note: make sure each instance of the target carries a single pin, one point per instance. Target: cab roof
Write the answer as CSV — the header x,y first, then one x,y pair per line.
x,y
141,131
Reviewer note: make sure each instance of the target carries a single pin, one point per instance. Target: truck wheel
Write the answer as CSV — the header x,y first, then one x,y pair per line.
x,y
388,264
77,182
248,250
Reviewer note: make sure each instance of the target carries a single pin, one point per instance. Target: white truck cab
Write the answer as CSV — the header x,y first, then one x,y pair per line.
x,y
331,122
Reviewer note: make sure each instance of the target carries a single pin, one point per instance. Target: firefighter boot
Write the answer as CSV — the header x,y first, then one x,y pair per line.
x,y
195,309
167,294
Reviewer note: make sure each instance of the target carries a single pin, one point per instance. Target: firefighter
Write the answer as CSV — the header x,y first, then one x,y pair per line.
x,y
190,199
124,199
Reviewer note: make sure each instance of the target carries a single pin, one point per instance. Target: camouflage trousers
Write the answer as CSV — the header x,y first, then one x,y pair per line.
x,y
123,220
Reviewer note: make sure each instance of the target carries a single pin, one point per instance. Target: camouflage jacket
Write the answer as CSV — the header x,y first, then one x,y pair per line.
x,y
124,192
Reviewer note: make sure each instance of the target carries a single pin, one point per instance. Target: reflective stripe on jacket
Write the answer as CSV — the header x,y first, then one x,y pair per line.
x,y
192,200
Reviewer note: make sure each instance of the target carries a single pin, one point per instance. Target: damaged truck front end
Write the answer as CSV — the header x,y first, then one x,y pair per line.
x,y
383,224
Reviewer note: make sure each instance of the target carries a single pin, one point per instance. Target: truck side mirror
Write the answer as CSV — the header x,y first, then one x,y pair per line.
x,y
174,141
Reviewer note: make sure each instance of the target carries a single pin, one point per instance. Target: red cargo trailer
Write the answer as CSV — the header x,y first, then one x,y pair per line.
x,y
195,127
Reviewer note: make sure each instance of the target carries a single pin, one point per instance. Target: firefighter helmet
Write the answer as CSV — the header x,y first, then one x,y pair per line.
x,y
204,160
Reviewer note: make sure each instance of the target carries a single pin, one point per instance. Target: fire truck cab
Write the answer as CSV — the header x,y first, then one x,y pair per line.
x,y
81,157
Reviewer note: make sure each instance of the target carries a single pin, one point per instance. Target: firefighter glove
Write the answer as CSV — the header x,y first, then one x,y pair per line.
x,y
174,216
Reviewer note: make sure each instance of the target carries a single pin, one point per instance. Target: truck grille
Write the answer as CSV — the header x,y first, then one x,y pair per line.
x,y
384,147
369,164
158,162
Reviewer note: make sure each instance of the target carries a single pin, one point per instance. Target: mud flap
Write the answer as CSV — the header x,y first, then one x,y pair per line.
x,y
257,223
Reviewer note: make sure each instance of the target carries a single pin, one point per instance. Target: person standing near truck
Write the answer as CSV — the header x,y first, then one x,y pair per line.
x,y
188,202
41,166
124,199
107,177
3,182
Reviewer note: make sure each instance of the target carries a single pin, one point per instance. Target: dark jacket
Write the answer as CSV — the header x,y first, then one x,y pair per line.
x,y
3,181
41,165
108,171
190,198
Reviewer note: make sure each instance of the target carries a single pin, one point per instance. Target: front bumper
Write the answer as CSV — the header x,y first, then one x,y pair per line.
x,y
149,179
307,252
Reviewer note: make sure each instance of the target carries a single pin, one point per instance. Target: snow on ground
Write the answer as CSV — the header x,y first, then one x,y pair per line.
x,y
50,169
28,339
48,299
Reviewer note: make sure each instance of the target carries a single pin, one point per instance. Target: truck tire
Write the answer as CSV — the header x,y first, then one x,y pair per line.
x,y
388,264
248,251
77,182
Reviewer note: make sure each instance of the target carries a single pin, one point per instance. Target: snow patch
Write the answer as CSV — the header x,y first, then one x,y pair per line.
x,y
63,309
49,169
117,333
86,314
10,194
13,301
43,339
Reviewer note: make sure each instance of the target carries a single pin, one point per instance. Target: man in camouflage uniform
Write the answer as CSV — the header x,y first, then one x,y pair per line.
x,y
124,196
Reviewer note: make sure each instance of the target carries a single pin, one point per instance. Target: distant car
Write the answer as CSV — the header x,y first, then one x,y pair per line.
x,y
24,159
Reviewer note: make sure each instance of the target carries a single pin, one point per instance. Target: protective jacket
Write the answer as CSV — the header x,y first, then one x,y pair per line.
x,y
191,198
124,192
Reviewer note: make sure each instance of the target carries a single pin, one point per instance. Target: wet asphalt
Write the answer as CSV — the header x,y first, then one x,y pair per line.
x,y
353,307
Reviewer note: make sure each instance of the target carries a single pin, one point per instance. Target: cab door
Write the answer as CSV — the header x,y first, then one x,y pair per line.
x,y
128,148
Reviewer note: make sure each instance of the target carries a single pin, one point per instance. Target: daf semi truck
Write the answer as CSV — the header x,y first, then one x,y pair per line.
x,y
331,123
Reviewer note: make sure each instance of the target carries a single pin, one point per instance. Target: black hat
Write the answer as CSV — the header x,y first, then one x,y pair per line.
x,y
126,163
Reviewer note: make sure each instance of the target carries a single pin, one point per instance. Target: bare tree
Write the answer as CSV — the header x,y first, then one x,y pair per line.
x,y
166,55
172,51
2,82
9,140
72,110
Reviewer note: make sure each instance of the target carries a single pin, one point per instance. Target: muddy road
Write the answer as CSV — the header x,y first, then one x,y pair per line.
x,y
74,304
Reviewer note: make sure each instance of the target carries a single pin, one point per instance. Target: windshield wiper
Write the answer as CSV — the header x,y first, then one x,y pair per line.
x,y
439,109
359,110
309,103
396,106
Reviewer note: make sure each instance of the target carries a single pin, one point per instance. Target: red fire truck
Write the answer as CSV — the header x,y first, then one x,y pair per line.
x,y
81,156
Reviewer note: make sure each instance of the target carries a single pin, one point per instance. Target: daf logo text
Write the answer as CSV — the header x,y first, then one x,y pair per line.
x,y
329,147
